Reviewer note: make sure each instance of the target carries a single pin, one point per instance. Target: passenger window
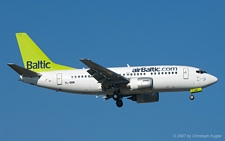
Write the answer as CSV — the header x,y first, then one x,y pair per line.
x,y
165,72
168,72
78,76
162,72
175,72
137,73
140,73
172,72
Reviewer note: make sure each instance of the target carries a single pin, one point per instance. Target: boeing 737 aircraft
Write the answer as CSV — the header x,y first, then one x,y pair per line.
x,y
140,83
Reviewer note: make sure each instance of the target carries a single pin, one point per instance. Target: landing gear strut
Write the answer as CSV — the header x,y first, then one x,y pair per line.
x,y
118,98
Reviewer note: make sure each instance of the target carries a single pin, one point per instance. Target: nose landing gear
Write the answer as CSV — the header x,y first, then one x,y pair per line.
x,y
195,90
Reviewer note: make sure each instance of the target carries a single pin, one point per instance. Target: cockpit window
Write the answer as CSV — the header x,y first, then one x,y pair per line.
x,y
200,71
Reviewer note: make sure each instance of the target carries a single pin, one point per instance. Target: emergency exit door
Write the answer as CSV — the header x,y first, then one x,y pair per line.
x,y
186,73
59,79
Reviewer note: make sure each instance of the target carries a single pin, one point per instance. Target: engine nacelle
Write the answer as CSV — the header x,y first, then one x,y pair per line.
x,y
140,83
145,98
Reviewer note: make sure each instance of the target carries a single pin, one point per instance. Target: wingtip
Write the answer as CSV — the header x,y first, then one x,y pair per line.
x,y
10,64
83,59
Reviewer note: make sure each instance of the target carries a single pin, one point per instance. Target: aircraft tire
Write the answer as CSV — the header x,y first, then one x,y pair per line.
x,y
116,96
119,103
191,97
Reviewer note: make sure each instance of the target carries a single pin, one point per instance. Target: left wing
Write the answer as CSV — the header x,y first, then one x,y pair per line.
x,y
103,75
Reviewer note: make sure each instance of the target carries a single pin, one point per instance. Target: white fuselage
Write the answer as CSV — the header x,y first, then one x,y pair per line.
x,y
165,79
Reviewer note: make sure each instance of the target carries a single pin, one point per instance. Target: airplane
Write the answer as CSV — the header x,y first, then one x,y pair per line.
x,y
141,84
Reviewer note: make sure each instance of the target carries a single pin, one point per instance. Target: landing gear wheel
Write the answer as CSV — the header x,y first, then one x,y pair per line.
x,y
119,103
116,96
191,97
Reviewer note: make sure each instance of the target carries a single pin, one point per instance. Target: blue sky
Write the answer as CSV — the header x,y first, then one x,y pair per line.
x,y
113,33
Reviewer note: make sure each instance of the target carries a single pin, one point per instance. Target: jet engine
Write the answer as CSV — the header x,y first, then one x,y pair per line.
x,y
145,98
140,83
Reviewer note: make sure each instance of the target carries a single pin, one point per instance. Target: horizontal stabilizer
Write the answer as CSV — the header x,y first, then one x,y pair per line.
x,y
22,71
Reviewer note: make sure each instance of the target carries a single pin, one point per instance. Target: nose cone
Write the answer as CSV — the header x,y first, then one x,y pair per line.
x,y
213,79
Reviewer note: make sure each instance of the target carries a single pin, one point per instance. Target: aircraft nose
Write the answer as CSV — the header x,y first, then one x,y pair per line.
x,y
213,79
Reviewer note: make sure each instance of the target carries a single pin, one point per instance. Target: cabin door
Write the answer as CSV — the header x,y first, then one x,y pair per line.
x,y
59,78
186,73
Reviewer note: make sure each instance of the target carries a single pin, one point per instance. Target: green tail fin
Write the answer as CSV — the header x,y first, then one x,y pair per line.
x,y
34,58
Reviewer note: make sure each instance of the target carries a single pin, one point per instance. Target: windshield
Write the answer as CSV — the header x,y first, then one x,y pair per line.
x,y
200,71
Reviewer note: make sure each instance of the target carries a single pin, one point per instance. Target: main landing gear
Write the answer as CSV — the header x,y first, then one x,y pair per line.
x,y
118,98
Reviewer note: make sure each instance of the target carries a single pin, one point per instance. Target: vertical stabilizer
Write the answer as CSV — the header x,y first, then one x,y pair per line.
x,y
34,58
